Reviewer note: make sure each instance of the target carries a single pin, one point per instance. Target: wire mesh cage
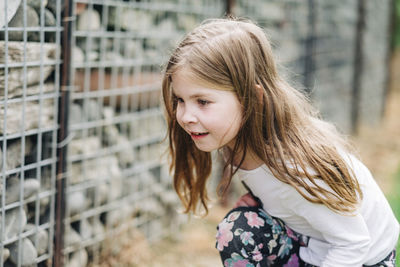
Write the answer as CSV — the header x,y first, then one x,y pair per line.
x,y
117,179
322,46
287,26
30,41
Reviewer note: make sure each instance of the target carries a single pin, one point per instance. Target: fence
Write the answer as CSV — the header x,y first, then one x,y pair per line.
x,y
117,125
29,91
81,128
338,52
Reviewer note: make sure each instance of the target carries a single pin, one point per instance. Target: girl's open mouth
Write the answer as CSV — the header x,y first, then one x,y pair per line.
x,y
198,135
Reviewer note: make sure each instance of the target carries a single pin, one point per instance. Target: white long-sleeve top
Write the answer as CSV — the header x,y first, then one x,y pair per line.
x,y
366,237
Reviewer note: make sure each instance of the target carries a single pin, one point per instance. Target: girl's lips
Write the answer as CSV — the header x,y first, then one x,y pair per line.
x,y
197,136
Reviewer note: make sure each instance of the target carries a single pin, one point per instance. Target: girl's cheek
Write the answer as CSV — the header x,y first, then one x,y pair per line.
x,y
178,116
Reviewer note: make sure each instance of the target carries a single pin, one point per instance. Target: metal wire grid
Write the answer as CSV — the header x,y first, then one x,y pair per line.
x,y
29,85
286,23
115,163
315,41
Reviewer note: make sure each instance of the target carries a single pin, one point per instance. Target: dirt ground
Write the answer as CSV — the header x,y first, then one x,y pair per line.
x,y
378,147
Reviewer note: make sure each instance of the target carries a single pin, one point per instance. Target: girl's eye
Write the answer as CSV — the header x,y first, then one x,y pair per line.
x,y
178,99
203,102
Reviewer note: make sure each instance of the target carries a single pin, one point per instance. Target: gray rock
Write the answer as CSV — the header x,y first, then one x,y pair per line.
x,y
19,52
92,110
110,135
43,210
6,254
77,55
92,55
28,253
135,20
42,237
78,259
107,173
89,229
13,153
31,187
85,229
75,114
72,238
76,175
49,19
32,20
131,48
169,198
151,206
126,154
34,112
52,5
114,57
35,4
99,194
98,227
12,7
31,90
76,202
13,221
84,146
89,20
120,215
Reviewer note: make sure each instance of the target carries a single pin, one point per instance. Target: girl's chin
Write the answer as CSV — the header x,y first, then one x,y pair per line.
x,y
205,149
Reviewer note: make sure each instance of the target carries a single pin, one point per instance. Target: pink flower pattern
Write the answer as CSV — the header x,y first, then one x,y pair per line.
x,y
224,234
241,245
253,219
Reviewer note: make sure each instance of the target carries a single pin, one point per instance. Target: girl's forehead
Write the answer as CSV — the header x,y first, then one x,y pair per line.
x,y
181,85
184,75
182,79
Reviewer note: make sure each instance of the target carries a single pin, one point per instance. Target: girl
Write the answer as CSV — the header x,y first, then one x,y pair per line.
x,y
311,202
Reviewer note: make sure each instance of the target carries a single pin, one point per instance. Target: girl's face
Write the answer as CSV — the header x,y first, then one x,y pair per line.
x,y
210,116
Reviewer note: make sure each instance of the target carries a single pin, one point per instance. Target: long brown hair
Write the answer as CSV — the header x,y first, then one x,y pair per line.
x,y
279,125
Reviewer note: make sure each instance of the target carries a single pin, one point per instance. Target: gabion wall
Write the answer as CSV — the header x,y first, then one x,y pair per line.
x,y
115,176
337,51
29,90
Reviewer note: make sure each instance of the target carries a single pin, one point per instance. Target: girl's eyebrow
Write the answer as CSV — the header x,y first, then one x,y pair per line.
x,y
199,95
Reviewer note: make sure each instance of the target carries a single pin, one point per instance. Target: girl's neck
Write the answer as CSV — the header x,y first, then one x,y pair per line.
x,y
251,161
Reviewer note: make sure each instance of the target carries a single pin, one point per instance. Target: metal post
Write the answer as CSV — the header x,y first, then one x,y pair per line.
x,y
390,49
358,67
309,62
63,133
229,7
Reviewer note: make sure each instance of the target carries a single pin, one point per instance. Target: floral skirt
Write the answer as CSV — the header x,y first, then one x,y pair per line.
x,y
249,237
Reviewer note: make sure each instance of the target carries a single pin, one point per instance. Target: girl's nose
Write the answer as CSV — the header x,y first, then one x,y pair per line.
x,y
188,116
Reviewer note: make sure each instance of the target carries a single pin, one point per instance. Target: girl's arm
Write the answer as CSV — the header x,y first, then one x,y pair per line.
x,y
247,200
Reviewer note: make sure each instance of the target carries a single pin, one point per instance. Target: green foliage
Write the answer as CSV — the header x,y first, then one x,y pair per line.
x,y
397,25
394,200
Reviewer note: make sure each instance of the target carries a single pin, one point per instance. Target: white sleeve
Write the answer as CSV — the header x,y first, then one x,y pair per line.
x,y
347,239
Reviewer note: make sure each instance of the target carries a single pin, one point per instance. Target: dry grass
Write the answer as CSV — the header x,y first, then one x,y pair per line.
x,y
192,246
379,147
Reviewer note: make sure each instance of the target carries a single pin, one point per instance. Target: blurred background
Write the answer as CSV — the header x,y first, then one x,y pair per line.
x,y
84,179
